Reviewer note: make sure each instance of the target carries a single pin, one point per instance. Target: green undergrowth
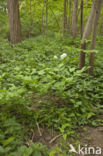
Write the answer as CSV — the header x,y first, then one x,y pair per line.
x,y
38,85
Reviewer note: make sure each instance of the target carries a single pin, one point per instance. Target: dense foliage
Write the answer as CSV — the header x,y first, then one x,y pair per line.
x,y
39,85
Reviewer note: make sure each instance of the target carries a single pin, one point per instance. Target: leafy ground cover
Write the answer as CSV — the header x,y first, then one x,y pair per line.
x,y
41,88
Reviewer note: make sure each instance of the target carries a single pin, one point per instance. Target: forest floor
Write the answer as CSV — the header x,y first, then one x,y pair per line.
x,y
89,136
46,102
92,137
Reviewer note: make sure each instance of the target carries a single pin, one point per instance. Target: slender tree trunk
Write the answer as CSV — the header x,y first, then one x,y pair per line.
x,y
31,19
55,17
74,18
81,25
69,17
14,21
46,26
65,17
42,23
86,34
93,42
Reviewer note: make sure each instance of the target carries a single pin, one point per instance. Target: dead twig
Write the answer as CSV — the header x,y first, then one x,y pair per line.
x,y
38,129
56,137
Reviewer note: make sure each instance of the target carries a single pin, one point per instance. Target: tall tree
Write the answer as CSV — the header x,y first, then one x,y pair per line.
x,y
46,26
74,18
81,24
65,17
14,21
69,17
93,42
86,34
43,13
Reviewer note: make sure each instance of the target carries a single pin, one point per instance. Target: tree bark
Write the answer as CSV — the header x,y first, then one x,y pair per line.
x,y
86,34
81,25
74,19
14,21
65,17
93,42
69,18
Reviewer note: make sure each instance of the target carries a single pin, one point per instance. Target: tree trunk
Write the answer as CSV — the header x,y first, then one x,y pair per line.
x,y
31,19
14,21
55,17
46,26
86,34
42,23
69,18
81,25
74,18
64,17
93,42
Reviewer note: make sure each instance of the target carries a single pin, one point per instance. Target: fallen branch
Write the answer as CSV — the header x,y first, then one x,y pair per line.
x,y
38,129
56,137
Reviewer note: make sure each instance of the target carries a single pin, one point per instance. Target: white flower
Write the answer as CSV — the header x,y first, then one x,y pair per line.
x,y
63,56
55,57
